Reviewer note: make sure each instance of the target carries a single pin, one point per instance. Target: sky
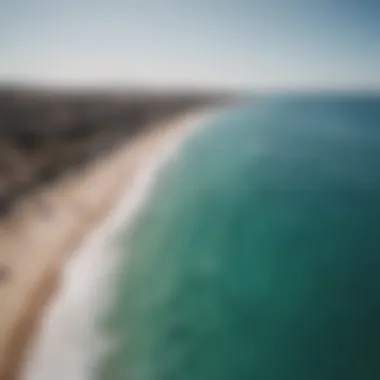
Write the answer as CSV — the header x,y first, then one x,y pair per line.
x,y
281,44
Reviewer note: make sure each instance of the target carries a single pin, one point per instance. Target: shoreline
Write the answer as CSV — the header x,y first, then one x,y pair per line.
x,y
109,177
47,132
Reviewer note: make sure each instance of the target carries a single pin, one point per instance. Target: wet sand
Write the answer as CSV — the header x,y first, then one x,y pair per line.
x,y
37,239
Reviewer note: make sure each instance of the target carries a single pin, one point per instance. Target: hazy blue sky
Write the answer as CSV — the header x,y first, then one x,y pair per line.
x,y
267,43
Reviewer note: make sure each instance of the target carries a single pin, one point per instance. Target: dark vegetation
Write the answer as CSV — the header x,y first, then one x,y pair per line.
x,y
44,133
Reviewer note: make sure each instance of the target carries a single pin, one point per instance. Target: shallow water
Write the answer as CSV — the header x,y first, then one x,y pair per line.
x,y
70,342
258,254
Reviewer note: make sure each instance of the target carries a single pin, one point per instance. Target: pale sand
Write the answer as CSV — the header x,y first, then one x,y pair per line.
x,y
38,239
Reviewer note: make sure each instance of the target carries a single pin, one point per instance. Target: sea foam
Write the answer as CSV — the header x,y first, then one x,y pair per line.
x,y
70,343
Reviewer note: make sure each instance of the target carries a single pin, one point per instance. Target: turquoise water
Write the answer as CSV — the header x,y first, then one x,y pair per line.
x,y
258,255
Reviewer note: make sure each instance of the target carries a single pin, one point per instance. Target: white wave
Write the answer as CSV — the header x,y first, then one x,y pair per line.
x,y
70,343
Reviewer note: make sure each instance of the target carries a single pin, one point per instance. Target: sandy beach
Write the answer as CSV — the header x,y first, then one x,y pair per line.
x,y
37,240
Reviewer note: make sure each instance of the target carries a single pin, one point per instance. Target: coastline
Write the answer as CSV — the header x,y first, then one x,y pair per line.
x,y
37,273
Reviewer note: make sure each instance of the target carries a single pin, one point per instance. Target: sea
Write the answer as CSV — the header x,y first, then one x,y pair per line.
x,y
256,253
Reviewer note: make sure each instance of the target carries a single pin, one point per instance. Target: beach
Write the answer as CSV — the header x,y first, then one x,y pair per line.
x,y
46,231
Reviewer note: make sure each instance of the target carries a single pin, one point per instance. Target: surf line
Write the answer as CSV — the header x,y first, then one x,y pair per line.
x,y
70,342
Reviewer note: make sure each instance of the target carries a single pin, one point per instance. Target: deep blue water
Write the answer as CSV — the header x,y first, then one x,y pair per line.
x,y
258,255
